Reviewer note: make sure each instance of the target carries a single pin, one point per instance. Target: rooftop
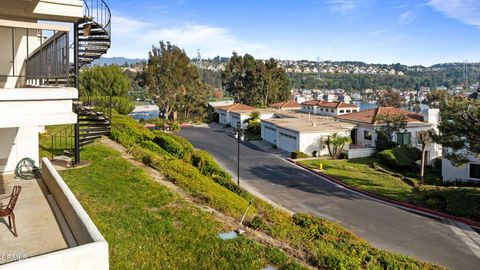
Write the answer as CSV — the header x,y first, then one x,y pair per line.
x,y
327,104
309,123
285,105
237,107
370,116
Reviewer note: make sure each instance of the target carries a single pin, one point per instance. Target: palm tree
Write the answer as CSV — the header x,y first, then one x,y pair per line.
x,y
336,143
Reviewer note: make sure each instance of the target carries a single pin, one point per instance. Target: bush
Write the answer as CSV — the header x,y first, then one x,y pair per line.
x,y
253,128
402,156
314,153
128,126
383,142
459,201
298,154
207,165
154,148
174,145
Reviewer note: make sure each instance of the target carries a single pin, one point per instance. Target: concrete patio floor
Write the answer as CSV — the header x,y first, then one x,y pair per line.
x,y
37,228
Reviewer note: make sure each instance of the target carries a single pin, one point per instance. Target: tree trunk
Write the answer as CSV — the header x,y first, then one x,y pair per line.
x,y
422,163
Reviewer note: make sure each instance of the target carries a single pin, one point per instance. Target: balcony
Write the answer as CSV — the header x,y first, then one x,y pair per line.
x,y
54,232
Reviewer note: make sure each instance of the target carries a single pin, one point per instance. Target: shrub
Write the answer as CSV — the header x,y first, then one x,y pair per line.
x,y
121,104
174,145
202,187
258,223
130,127
459,201
383,142
230,185
207,165
154,148
298,154
402,156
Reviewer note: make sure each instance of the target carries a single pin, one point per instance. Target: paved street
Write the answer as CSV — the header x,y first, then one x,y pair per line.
x,y
297,190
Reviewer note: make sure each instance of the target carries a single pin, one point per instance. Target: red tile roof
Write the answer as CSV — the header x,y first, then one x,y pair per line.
x,y
285,105
237,107
370,116
322,103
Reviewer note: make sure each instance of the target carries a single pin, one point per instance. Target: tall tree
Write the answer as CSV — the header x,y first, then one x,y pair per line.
x,y
390,98
173,80
255,82
459,129
104,81
436,97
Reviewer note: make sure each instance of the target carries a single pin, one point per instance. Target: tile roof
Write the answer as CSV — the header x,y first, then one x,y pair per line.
x,y
370,116
237,107
329,104
285,105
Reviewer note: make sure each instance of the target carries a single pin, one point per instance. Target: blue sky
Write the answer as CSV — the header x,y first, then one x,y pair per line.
x,y
375,31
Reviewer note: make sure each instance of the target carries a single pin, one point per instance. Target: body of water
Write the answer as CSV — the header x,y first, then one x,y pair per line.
x,y
145,112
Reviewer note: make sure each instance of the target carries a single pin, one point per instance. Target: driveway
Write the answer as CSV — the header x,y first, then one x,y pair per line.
x,y
298,190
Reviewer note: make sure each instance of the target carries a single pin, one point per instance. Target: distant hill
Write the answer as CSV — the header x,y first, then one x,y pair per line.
x,y
116,61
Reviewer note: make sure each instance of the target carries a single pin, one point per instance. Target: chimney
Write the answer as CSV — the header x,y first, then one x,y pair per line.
x,y
431,116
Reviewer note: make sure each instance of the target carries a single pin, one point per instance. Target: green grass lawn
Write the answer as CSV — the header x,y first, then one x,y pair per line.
x,y
149,227
359,173
45,141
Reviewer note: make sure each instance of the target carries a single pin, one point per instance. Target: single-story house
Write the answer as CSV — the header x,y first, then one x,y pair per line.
x,y
237,113
366,124
326,108
286,105
301,132
469,171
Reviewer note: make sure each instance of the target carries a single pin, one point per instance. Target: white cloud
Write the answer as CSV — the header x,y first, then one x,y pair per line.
x,y
133,38
406,17
346,7
466,11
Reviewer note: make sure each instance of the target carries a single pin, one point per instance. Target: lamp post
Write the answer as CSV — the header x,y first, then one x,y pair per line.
x,y
239,134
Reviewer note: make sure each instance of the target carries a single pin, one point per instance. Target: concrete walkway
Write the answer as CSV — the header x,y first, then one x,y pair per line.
x,y
298,190
37,228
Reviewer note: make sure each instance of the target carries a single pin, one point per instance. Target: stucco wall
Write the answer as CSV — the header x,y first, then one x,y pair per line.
x,y
451,173
15,144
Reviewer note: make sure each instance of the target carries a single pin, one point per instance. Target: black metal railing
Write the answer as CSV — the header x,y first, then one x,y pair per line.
x,y
99,12
49,64
63,142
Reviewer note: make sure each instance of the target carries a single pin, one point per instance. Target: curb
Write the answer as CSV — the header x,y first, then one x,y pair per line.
x,y
419,209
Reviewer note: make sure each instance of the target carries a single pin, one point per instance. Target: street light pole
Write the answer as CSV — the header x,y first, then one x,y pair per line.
x,y
239,130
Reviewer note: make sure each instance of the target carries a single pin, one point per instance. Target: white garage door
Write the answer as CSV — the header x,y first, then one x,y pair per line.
x,y
288,142
269,134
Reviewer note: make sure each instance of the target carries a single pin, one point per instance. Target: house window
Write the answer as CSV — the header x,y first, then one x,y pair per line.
x,y
321,109
331,110
348,111
403,138
354,110
367,135
475,171
342,111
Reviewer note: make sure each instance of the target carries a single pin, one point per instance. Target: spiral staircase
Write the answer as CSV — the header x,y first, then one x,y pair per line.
x,y
92,40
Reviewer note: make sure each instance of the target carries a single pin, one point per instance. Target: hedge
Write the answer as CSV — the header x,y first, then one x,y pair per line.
x,y
130,127
175,145
207,165
298,154
154,148
402,156
459,201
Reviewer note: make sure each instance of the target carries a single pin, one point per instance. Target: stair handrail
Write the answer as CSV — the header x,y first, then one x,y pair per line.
x,y
101,10
67,139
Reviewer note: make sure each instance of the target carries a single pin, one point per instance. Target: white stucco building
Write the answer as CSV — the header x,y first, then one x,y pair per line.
x,y
469,171
326,108
237,113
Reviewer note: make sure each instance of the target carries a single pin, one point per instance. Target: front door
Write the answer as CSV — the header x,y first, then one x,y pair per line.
x,y
353,135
